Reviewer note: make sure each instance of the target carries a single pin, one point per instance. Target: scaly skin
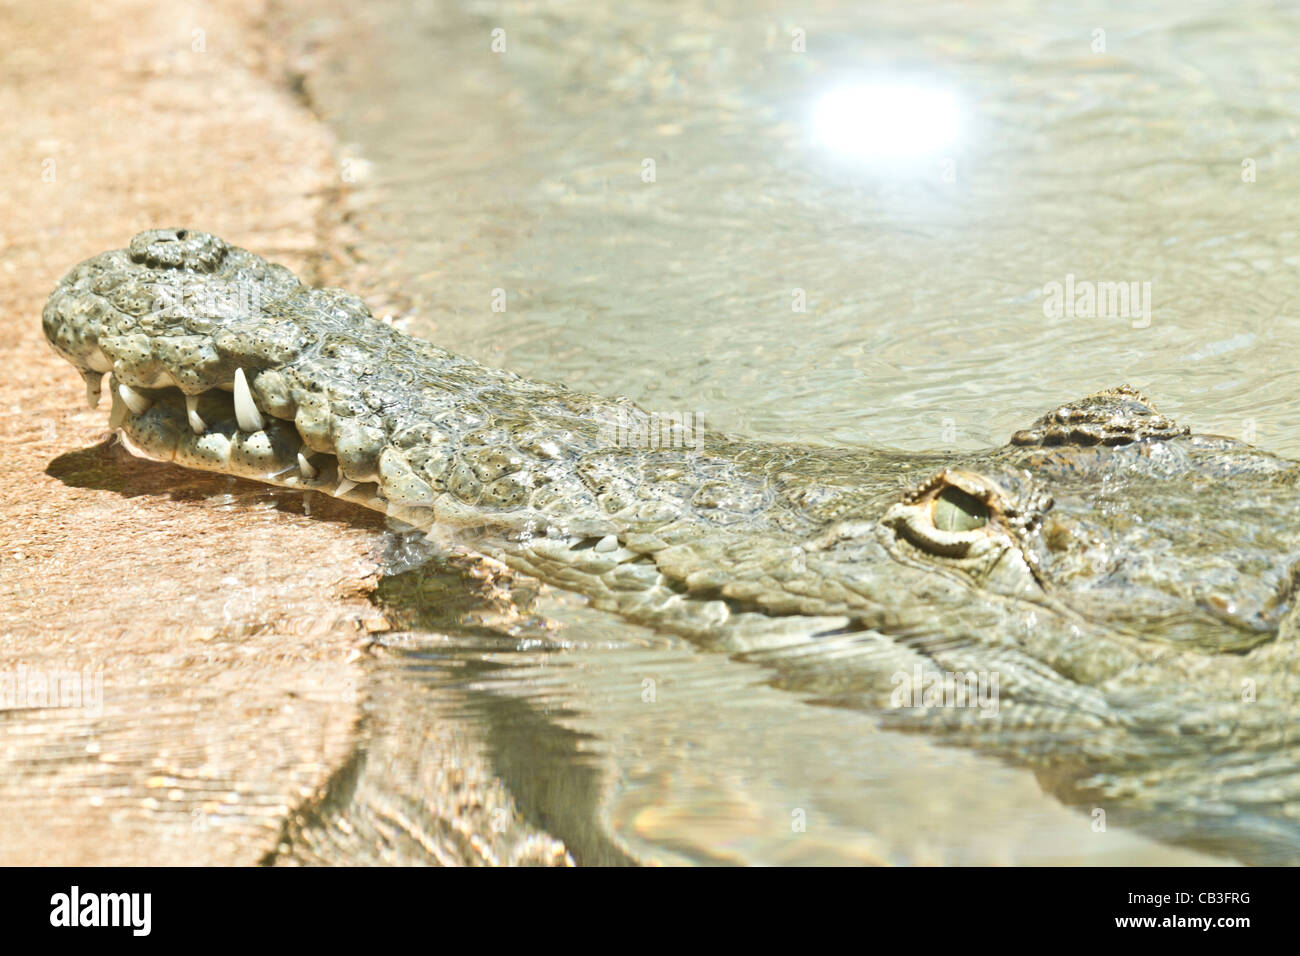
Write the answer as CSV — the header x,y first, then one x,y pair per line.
x,y
1127,584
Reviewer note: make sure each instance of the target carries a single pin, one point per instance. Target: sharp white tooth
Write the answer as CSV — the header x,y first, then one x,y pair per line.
x,y
192,411
344,487
138,403
250,419
305,466
93,381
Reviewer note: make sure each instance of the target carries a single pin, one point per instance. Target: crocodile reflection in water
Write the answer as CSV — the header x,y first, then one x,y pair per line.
x,y
1129,584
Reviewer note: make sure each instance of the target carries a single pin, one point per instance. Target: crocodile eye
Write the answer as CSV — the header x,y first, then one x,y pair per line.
x,y
954,510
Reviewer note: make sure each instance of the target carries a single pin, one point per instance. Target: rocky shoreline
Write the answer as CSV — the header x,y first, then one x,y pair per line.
x,y
222,626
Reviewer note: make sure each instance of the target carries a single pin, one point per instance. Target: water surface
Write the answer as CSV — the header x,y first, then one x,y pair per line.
x,y
650,198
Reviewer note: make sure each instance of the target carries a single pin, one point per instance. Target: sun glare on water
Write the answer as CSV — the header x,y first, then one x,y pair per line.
x,y
886,121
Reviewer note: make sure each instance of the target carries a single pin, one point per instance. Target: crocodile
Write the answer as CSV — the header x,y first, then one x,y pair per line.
x,y
1107,599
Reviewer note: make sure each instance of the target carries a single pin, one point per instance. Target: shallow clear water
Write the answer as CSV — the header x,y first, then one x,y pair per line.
x,y
522,171
1031,147
635,746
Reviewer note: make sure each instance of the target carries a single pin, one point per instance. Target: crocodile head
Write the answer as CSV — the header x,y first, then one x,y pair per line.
x,y
1128,585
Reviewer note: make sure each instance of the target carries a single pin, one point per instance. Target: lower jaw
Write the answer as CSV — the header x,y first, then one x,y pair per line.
x,y
156,425
270,455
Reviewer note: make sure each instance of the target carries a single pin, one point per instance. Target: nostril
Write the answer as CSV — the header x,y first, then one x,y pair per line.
x,y
181,233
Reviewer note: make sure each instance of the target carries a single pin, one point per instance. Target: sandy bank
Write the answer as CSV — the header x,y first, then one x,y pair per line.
x,y
218,617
